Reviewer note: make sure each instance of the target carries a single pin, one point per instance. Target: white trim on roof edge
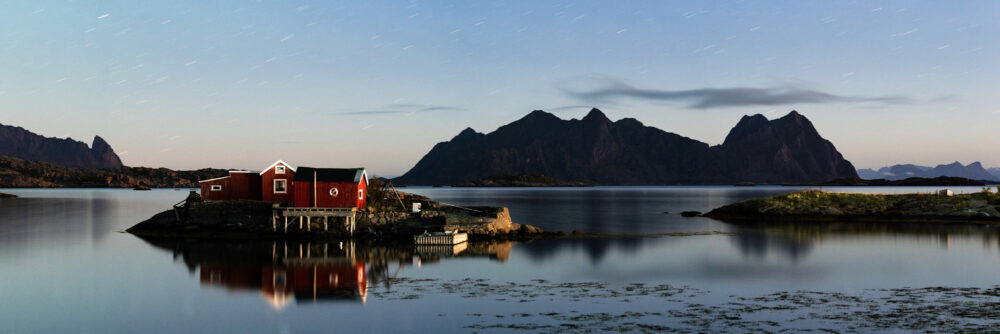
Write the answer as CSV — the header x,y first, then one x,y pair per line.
x,y
275,164
218,178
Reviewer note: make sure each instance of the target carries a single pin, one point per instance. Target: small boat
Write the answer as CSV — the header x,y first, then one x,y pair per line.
x,y
440,238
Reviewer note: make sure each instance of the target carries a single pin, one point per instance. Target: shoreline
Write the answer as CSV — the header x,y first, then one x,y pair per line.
x,y
822,206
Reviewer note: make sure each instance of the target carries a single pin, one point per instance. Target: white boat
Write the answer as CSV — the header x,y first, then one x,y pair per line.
x,y
440,238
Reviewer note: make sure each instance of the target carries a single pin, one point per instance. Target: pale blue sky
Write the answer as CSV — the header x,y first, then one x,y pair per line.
x,y
238,84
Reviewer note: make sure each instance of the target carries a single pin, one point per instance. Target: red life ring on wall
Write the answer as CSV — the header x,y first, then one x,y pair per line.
x,y
334,192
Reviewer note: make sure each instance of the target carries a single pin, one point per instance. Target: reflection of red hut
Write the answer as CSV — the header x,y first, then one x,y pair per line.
x,y
321,282
330,187
280,284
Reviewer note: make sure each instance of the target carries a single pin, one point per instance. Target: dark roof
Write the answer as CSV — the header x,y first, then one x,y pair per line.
x,y
329,174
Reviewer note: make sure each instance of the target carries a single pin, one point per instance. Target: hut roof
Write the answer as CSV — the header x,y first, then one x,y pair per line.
x,y
330,174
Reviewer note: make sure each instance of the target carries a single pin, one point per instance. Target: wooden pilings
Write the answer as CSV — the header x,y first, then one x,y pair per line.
x,y
305,216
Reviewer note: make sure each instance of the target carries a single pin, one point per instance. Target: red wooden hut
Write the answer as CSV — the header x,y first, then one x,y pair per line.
x,y
330,187
276,183
240,184
216,189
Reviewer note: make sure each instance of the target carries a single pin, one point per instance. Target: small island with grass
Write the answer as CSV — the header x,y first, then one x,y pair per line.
x,y
815,205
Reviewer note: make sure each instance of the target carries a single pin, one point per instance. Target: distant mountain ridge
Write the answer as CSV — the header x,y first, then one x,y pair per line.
x,y
18,173
973,171
20,143
596,150
995,171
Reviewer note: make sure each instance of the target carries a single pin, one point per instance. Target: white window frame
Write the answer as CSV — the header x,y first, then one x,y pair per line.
x,y
215,187
284,183
279,169
361,194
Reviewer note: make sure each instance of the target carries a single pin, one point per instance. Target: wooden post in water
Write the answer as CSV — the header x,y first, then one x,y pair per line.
x,y
286,224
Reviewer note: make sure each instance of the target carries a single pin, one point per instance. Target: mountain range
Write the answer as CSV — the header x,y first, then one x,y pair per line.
x,y
973,171
18,173
19,143
595,150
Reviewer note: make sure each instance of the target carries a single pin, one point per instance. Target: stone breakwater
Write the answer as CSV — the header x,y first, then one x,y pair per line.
x,y
982,207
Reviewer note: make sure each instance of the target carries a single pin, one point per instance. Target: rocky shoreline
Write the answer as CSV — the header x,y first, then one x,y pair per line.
x,y
5,195
814,205
245,219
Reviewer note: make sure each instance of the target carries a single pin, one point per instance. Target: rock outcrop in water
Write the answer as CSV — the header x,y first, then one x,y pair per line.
x,y
244,219
595,150
19,143
813,205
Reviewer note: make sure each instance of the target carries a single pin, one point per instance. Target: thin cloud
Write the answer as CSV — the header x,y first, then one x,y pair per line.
x,y
402,109
608,89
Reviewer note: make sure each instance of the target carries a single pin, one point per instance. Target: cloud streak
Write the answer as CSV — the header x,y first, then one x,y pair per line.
x,y
402,109
610,89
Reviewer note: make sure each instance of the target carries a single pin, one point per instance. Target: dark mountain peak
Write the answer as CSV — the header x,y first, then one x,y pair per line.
x,y
100,145
793,117
629,122
467,133
596,116
539,115
597,151
17,142
747,126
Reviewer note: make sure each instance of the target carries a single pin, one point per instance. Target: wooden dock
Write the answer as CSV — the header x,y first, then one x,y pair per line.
x,y
305,216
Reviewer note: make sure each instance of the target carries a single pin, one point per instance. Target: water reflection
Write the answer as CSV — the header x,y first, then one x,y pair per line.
x,y
309,272
795,240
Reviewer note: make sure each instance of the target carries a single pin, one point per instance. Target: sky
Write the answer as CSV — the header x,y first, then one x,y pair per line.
x,y
239,84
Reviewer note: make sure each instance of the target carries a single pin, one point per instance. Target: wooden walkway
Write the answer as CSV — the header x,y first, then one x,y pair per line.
x,y
305,216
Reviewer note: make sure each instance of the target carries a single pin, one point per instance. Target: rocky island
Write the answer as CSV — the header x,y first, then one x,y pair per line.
x,y
247,219
5,195
907,182
814,205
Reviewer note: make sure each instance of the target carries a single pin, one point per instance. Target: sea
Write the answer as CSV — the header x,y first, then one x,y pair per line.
x,y
66,266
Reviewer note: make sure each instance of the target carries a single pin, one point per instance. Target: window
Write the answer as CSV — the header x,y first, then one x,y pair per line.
x,y
216,187
361,194
279,186
279,169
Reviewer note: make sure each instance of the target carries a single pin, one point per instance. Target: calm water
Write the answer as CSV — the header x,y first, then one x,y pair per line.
x,y
66,267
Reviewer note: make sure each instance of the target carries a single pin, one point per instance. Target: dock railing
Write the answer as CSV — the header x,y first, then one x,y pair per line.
x,y
306,214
